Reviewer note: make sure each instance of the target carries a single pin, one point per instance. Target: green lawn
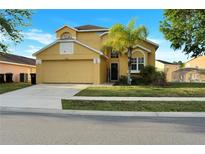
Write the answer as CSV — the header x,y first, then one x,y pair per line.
x,y
6,87
173,90
147,106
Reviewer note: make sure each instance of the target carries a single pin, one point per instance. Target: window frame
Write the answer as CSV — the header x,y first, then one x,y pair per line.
x,y
115,53
136,63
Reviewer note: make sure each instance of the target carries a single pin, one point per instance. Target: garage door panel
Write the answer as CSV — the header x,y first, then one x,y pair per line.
x,y
68,71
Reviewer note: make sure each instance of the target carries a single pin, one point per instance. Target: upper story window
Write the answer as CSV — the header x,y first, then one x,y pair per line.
x,y
114,54
66,48
66,36
137,64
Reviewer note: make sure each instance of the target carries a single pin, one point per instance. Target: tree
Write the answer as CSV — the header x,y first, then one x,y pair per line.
x,y
180,63
185,29
123,39
11,22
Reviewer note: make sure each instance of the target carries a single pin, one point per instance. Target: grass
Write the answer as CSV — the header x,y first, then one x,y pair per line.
x,y
172,90
148,106
6,87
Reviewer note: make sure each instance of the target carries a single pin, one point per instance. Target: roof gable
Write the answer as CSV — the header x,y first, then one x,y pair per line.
x,y
75,41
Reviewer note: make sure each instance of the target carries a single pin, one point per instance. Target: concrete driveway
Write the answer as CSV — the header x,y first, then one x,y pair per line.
x,y
47,96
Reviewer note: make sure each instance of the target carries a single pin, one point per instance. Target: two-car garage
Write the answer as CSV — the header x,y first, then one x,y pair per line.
x,y
68,71
69,61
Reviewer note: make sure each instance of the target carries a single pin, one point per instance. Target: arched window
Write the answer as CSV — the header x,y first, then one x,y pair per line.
x,y
66,36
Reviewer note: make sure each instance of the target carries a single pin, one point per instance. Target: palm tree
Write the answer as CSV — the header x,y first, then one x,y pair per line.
x,y
123,39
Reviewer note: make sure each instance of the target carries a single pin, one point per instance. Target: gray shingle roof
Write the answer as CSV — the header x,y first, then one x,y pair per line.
x,y
89,27
16,59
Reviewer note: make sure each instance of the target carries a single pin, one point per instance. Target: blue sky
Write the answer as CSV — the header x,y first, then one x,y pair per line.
x,y
45,22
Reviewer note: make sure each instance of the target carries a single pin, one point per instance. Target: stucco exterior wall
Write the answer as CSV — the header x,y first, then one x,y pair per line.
x,y
103,70
91,39
16,70
81,69
66,29
169,69
159,66
190,76
198,62
51,58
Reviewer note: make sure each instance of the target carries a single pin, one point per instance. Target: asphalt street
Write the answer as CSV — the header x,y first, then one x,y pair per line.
x,y
28,128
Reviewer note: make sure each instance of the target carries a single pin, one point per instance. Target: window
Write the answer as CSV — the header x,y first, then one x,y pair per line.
x,y
66,36
66,48
114,54
137,64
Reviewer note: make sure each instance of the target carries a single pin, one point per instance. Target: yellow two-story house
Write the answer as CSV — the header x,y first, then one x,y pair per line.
x,y
76,56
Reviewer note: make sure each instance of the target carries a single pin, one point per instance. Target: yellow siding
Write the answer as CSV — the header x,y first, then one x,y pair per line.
x,y
81,54
198,62
91,39
168,69
66,29
160,66
81,62
103,70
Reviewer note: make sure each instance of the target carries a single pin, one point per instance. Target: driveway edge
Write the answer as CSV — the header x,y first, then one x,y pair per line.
x,y
102,113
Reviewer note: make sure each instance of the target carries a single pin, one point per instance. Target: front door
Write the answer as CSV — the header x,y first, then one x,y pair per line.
x,y
114,71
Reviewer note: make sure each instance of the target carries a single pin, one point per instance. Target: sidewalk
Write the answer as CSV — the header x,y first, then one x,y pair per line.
x,y
137,98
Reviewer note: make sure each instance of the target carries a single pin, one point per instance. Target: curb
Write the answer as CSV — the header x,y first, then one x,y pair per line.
x,y
103,113
153,99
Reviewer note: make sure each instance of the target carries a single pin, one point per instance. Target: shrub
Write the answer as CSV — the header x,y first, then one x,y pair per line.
x,y
147,73
123,80
159,79
137,80
150,75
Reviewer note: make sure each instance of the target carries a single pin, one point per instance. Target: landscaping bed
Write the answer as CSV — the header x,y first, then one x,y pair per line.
x,y
172,90
6,87
146,106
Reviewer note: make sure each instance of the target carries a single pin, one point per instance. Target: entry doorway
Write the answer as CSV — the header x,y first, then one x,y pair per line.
x,y
114,71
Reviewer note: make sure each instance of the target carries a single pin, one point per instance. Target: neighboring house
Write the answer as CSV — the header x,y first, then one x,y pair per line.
x,y
168,68
198,62
16,65
194,71
76,57
189,75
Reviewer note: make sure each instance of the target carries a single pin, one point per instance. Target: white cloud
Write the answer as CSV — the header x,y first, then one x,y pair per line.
x,y
166,53
171,55
158,41
39,36
32,49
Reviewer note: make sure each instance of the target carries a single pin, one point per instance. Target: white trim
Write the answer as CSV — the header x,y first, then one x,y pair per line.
x,y
103,34
49,45
152,43
12,63
91,30
76,41
66,26
135,71
139,46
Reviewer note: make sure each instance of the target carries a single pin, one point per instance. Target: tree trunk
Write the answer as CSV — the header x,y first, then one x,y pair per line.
x,y
129,55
